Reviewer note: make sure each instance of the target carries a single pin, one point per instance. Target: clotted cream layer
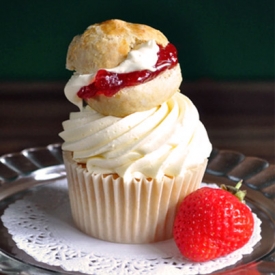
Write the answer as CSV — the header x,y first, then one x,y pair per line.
x,y
143,57
165,140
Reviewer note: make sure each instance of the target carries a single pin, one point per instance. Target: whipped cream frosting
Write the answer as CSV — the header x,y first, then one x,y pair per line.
x,y
144,57
165,140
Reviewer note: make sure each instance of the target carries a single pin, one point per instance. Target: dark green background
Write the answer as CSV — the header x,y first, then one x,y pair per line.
x,y
216,39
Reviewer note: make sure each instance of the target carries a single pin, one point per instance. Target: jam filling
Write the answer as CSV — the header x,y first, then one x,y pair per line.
x,y
109,83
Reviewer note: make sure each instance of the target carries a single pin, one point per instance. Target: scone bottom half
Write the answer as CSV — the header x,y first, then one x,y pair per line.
x,y
122,68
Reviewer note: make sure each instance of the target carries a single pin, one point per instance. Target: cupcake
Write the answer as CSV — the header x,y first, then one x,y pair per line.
x,y
136,147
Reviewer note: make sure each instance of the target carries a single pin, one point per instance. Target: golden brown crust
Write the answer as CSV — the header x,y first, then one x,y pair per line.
x,y
141,97
106,45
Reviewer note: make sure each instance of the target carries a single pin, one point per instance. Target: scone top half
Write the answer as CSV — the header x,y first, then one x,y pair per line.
x,y
107,45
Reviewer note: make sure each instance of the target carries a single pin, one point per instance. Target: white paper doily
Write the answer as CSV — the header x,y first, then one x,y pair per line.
x,y
41,225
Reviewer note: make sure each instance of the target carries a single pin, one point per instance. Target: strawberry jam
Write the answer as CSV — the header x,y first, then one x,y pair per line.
x,y
109,83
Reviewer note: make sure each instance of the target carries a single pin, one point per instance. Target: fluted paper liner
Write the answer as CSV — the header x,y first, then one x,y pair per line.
x,y
143,211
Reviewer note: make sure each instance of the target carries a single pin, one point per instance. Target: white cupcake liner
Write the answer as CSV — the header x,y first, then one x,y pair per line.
x,y
143,211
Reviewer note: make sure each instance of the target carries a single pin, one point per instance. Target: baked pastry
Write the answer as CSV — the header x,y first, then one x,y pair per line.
x,y
128,173
106,46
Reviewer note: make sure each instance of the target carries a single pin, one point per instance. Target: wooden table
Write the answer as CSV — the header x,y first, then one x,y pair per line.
x,y
237,116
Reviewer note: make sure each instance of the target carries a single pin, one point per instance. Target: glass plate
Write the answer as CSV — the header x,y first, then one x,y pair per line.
x,y
33,167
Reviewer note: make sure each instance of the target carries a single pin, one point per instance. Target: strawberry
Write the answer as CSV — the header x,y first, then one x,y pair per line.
x,y
212,222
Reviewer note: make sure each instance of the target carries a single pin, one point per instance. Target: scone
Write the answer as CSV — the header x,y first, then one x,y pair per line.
x,y
125,48
133,151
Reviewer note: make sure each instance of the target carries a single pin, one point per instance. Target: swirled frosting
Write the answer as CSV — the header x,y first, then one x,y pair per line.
x,y
165,140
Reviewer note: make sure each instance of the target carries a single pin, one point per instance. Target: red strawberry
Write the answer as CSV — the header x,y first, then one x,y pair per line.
x,y
212,223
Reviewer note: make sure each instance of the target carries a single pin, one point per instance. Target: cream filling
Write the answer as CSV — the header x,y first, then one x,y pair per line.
x,y
143,57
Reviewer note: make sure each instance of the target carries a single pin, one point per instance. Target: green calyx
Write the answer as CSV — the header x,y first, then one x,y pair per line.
x,y
235,190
